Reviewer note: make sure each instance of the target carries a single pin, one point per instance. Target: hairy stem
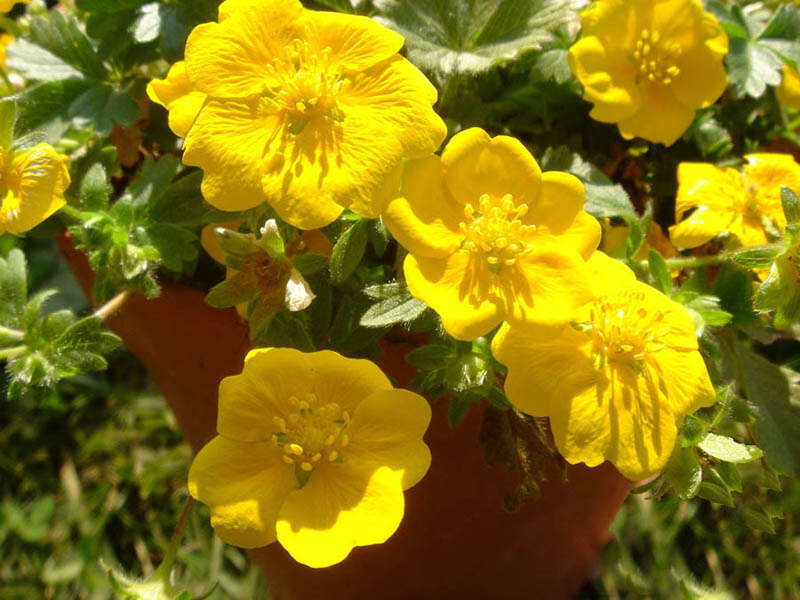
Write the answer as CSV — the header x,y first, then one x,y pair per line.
x,y
113,305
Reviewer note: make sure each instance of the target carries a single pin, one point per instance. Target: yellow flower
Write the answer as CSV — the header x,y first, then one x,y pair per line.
x,y
32,184
5,41
616,382
746,204
314,451
7,5
648,65
177,94
307,110
788,91
491,237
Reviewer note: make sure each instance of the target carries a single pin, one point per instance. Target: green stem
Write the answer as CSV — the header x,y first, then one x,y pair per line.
x,y
165,568
71,213
690,262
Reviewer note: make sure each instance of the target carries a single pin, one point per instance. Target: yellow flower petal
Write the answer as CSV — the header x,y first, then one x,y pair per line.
x,y
699,227
547,285
476,164
749,231
249,402
583,234
245,486
546,365
608,79
788,92
768,172
459,288
559,203
693,389
608,273
357,42
703,77
673,120
32,188
228,59
387,430
386,116
703,184
425,218
339,508
178,95
625,420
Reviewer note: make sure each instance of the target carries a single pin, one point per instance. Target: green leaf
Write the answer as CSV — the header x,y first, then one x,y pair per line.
x,y
37,64
457,410
791,205
684,473
13,287
309,263
453,37
431,356
399,307
348,251
778,424
726,449
8,116
61,35
757,518
148,25
714,488
758,257
608,201
95,189
659,272
692,431
46,107
344,6
103,106
468,371
235,290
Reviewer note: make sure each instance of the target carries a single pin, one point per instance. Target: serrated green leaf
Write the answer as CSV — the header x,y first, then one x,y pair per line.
x,y
729,473
791,205
778,424
457,410
148,24
95,189
103,106
45,107
714,488
402,307
61,35
684,473
238,289
758,519
726,449
431,356
447,37
608,201
37,64
348,251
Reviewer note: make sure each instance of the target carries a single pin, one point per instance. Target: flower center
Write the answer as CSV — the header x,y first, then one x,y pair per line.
x,y
271,274
655,58
305,84
313,432
623,330
493,229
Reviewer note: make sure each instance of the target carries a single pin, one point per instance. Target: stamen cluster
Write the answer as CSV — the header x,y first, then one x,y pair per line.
x,y
494,229
312,432
656,58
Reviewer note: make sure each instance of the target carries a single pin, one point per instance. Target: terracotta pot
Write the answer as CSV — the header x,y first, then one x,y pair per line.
x,y
455,541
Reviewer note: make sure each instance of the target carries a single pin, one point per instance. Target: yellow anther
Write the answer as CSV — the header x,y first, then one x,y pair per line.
x,y
280,424
330,439
344,441
296,449
306,466
333,455
316,457
287,459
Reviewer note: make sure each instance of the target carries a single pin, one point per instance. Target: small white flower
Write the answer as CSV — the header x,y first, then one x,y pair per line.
x,y
298,294
270,228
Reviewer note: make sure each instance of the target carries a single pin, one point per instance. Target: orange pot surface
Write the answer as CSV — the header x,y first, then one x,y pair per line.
x,y
455,540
